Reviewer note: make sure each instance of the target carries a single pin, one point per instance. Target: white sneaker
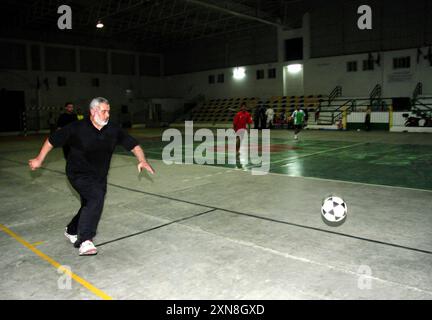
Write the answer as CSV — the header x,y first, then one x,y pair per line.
x,y
295,137
87,248
72,237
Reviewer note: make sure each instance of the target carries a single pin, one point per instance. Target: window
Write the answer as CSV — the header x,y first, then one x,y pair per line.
x,y
260,74
211,79
352,66
402,63
35,57
220,78
294,49
122,63
95,82
60,59
271,73
61,81
93,61
149,65
368,65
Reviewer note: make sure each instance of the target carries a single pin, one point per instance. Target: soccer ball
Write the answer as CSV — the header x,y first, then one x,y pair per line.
x,y
334,209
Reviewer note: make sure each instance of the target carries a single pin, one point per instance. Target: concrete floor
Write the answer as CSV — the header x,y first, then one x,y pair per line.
x,y
212,232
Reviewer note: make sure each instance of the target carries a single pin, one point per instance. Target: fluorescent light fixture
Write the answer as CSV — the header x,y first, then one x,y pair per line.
x,y
239,73
99,25
295,68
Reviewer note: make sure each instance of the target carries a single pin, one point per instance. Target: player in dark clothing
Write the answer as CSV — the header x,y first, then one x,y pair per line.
x,y
368,119
262,117
92,142
256,116
64,119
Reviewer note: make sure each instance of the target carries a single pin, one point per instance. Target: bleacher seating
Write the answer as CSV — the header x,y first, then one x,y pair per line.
x,y
222,110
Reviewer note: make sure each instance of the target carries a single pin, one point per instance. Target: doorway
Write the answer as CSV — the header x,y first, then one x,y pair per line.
x,y
12,105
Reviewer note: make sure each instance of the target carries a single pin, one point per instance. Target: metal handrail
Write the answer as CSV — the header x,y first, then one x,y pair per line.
x,y
350,104
428,107
336,92
417,91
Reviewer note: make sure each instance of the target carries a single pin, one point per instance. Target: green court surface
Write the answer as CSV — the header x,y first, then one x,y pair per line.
x,y
401,165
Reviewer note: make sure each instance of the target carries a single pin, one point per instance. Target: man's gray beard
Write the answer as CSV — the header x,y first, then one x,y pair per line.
x,y
100,122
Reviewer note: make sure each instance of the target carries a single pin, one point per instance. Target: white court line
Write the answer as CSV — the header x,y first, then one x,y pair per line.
x,y
228,170
315,153
306,260
338,181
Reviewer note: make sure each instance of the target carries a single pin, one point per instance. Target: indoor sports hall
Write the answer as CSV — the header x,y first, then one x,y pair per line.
x,y
328,196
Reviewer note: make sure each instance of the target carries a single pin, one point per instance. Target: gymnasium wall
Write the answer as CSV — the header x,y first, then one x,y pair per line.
x,y
395,25
128,77
330,36
248,47
124,77
331,39
319,76
323,74
193,85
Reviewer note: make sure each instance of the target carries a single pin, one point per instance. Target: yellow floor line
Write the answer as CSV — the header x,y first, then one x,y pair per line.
x,y
57,265
37,243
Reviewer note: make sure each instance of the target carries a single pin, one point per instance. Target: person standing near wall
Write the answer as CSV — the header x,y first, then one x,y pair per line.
x,y
368,119
67,117
262,117
317,113
283,118
256,115
52,122
80,115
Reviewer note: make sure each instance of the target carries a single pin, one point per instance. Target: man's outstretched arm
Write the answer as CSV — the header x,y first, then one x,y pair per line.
x,y
142,162
37,162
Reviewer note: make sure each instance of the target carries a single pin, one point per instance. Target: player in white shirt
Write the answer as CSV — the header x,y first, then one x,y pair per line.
x,y
270,117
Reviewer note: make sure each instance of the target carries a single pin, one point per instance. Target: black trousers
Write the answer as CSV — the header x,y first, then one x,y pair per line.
x,y
92,192
297,128
368,123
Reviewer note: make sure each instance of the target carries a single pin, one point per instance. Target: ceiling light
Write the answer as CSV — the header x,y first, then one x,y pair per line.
x,y
99,25
239,73
295,68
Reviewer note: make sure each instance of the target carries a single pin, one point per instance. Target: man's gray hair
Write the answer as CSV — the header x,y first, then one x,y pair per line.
x,y
97,101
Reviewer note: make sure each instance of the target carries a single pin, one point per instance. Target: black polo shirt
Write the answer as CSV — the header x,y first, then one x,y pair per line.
x,y
90,149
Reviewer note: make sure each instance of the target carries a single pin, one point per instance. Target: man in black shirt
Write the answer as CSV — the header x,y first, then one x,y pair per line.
x,y
92,142
64,119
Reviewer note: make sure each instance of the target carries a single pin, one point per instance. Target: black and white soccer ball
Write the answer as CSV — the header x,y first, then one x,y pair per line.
x,y
334,209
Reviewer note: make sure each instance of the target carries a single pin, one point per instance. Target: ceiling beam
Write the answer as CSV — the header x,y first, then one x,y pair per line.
x,y
233,12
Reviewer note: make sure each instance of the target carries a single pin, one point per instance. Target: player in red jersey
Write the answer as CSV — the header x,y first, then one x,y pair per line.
x,y
241,120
